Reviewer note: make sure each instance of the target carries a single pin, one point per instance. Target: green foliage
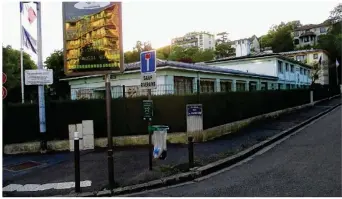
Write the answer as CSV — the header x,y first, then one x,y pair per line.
x,y
336,14
164,52
59,89
191,54
127,113
279,37
134,55
11,66
223,50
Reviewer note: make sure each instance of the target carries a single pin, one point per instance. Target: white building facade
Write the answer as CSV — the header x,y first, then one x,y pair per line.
x,y
308,34
202,40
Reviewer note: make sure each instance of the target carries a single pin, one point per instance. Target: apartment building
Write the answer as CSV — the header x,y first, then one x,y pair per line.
x,y
311,57
202,40
253,42
308,34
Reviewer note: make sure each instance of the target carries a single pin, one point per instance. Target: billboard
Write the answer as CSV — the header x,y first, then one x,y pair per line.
x,y
92,38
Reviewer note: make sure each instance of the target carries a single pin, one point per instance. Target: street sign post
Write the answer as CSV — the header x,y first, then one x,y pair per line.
x,y
38,77
148,65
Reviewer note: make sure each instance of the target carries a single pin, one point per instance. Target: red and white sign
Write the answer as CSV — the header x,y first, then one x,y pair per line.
x,y
4,78
148,56
4,92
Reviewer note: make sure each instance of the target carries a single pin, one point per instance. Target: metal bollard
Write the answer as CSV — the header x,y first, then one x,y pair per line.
x,y
77,163
191,152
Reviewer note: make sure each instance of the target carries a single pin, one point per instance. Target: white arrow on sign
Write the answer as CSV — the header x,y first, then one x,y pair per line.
x,y
147,58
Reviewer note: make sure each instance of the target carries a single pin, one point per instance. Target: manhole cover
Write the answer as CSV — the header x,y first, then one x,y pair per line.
x,y
22,166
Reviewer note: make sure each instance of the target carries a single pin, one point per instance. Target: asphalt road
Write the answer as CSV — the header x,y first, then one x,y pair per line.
x,y
307,164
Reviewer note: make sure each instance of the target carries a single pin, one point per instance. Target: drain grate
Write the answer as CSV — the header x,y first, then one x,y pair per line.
x,y
22,166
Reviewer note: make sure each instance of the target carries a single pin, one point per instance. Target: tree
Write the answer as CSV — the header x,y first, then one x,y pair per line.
x,y
164,52
279,37
336,14
11,66
331,42
223,50
59,89
191,55
134,55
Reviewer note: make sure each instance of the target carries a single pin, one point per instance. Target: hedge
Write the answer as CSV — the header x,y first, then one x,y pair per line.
x,y
21,121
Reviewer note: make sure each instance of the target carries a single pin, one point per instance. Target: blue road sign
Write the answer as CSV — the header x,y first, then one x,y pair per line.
x,y
148,61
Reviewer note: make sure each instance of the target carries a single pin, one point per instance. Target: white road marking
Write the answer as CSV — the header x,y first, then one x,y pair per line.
x,y
12,187
43,187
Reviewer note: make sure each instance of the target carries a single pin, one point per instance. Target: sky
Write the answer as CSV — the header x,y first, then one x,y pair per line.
x,y
160,21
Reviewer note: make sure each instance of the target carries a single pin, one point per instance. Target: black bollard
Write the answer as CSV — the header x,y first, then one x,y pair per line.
x,y
191,152
77,165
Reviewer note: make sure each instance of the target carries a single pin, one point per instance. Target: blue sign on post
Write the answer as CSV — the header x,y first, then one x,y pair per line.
x,y
194,109
148,61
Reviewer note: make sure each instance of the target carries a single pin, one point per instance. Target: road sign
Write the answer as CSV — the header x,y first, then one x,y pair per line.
x,y
148,109
4,78
4,92
194,109
38,77
148,61
148,70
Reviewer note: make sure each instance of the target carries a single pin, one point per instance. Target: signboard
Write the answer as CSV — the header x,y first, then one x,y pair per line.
x,y
4,78
194,117
194,109
4,92
92,38
148,108
38,77
148,64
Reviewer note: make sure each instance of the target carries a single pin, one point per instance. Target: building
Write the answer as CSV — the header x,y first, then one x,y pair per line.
x,y
311,57
253,43
307,35
289,73
202,40
173,78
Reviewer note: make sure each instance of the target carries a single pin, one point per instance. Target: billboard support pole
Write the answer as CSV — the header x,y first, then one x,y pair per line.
x,y
41,96
109,134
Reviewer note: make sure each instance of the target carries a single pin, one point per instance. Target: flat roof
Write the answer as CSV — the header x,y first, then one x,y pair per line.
x,y
259,55
163,64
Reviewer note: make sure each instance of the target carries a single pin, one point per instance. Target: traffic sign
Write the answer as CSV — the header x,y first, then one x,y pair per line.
x,y
4,92
148,69
148,109
148,61
4,78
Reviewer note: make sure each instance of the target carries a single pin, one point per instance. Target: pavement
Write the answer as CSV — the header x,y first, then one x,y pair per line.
x,y
131,165
307,164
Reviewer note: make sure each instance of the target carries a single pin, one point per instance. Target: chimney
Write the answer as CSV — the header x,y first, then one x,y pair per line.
x,y
243,47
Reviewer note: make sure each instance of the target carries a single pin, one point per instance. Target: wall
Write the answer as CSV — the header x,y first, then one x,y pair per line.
x,y
288,77
262,66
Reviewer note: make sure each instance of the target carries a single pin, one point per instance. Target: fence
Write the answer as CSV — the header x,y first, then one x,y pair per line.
x,y
161,89
20,121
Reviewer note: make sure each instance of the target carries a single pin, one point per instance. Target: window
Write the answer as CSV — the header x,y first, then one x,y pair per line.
x,y
306,39
301,71
280,66
263,86
209,42
296,34
300,57
182,85
315,56
240,86
292,68
252,86
287,67
322,30
296,41
207,86
226,86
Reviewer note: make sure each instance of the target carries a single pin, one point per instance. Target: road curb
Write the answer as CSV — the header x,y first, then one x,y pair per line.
x,y
207,169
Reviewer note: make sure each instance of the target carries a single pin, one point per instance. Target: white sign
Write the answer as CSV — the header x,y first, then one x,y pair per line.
x,y
38,77
148,81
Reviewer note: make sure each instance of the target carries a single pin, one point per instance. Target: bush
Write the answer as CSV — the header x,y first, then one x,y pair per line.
x,y
21,121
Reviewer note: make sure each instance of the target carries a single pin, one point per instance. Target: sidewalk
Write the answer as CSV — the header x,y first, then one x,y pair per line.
x,y
131,165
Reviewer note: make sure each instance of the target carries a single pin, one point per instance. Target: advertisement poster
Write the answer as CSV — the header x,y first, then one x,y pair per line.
x,y
92,37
